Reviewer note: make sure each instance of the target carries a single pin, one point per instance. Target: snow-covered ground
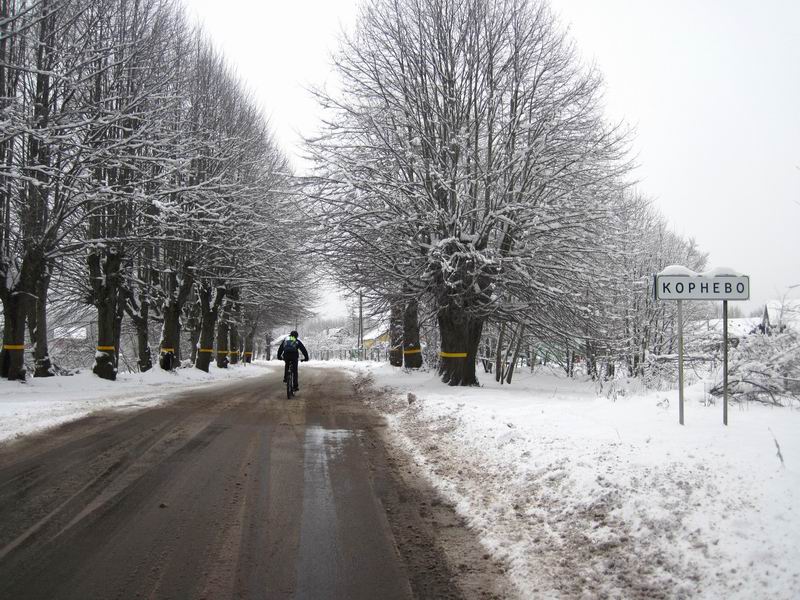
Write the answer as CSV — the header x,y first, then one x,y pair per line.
x,y
583,492
40,403
590,494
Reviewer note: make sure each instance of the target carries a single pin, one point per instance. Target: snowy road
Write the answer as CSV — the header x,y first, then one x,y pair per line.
x,y
226,492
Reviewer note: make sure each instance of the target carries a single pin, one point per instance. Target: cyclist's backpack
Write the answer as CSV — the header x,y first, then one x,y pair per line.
x,y
290,345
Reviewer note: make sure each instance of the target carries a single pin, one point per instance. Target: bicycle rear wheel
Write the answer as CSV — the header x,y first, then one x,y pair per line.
x,y
289,385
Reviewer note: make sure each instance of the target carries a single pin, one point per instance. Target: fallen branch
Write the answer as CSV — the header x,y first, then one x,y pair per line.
x,y
778,446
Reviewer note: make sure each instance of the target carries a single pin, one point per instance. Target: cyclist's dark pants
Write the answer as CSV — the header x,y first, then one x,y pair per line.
x,y
291,361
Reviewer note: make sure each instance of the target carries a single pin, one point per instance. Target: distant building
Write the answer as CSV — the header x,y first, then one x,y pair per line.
x,y
376,337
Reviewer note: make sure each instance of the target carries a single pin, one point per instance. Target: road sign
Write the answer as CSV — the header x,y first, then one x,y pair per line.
x,y
702,287
680,283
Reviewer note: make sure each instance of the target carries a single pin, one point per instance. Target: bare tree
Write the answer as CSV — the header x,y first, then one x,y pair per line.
x,y
136,166
466,160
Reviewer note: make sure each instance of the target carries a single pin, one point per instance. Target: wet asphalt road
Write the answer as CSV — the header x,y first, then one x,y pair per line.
x,y
231,491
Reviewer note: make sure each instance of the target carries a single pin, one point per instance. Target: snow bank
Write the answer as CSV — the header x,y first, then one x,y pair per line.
x,y
40,403
588,492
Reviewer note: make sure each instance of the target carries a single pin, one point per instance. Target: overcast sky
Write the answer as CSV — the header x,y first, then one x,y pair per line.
x,y
712,88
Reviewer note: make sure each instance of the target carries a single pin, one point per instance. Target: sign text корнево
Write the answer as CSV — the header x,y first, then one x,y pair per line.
x,y
702,287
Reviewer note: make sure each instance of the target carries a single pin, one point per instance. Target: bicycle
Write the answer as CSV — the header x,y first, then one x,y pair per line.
x,y
291,378
290,383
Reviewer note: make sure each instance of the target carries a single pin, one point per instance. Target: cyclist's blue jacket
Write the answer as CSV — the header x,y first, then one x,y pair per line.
x,y
290,348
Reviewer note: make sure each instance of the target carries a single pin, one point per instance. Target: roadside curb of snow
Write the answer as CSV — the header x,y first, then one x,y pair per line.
x,y
558,540
395,406
75,397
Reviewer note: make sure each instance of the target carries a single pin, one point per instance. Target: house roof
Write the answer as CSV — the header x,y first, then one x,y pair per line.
x,y
736,327
376,332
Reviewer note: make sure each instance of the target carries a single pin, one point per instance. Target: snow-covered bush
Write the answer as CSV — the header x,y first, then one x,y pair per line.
x,y
764,368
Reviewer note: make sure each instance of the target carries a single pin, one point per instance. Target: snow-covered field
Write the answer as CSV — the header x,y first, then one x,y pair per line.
x,y
40,403
587,496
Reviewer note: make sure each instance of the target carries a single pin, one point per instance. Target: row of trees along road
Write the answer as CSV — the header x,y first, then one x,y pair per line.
x,y
136,175
465,164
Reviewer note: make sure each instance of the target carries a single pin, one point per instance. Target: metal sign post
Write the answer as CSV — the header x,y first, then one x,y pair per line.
x,y
725,362
680,362
679,283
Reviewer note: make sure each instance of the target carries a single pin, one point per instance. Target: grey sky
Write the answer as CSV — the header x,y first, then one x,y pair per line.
x,y
712,87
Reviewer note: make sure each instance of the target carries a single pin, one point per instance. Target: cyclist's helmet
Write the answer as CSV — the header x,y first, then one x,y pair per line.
x,y
294,334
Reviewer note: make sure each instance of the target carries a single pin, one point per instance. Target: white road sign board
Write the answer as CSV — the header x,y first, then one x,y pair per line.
x,y
702,287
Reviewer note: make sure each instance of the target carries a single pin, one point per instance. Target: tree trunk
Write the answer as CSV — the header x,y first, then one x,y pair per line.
x,y
512,351
610,370
460,334
223,335
498,376
35,213
233,350
591,359
396,334
38,326
516,355
210,302
569,366
119,314
19,302
234,312
105,272
177,294
170,337
194,340
143,339
139,312
13,354
487,360
105,358
193,325
248,347
412,349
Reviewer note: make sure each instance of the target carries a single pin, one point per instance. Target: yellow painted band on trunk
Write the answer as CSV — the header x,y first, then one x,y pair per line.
x,y
107,348
413,351
167,350
14,347
206,350
248,352
453,354
233,352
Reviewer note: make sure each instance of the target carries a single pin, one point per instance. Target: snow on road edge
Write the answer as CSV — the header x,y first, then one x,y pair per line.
x,y
41,403
585,496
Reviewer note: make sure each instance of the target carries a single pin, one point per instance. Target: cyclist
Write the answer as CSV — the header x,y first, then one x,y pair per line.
x,y
289,350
